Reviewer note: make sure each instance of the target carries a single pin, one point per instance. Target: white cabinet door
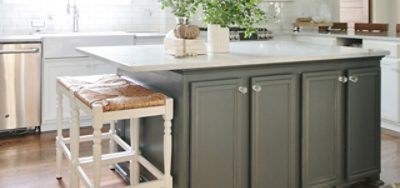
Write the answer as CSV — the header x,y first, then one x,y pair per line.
x,y
149,40
53,68
99,67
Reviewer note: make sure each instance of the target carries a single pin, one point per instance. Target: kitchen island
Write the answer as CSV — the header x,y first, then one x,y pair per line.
x,y
277,114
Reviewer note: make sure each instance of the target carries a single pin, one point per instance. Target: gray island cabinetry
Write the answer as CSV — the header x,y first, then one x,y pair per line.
x,y
263,119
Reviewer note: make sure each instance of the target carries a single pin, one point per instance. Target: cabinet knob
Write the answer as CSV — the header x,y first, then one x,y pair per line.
x,y
243,89
343,79
257,88
353,79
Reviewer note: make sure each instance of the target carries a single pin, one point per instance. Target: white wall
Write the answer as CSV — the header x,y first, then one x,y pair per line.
x,y
139,15
353,11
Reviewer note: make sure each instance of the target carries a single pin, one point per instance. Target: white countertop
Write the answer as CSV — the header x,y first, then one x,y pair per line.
x,y
37,37
394,37
149,34
153,57
83,34
19,38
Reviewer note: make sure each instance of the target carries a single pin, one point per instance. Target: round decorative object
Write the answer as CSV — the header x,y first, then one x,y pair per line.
x,y
186,31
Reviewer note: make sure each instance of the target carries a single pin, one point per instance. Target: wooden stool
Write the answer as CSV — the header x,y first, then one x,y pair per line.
x,y
366,27
339,26
108,98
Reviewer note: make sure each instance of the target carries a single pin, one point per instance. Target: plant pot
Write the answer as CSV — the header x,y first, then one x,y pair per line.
x,y
217,39
182,20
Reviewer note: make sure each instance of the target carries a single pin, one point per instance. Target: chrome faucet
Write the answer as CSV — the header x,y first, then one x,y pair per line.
x,y
75,13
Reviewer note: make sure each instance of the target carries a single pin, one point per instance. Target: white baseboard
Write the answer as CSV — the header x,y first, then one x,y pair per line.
x,y
390,125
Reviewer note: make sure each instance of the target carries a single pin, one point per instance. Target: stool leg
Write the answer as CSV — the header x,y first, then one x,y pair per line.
x,y
59,134
97,124
74,145
134,164
168,144
112,142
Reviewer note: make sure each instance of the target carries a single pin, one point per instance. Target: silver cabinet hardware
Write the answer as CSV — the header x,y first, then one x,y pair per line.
x,y
343,79
243,89
257,88
353,79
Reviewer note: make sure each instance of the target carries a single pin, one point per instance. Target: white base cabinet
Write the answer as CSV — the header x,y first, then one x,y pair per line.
x,y
60,58
330,41
53,68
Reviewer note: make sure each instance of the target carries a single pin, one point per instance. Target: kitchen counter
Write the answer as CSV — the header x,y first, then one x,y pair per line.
x,y
83,34
354,35
38,37
19,38
153,57
267,114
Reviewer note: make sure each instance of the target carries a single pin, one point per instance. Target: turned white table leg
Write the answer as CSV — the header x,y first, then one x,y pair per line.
x,y
135,139
97,124
74,145
59,134
112,142
168,143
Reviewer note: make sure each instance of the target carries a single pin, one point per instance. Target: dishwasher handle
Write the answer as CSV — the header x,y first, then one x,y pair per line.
x,y
22,51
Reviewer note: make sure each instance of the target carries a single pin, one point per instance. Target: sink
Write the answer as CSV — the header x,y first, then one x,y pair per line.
x,y
64,44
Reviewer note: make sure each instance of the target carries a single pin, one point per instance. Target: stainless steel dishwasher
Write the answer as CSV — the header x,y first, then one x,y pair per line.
x,y
20,69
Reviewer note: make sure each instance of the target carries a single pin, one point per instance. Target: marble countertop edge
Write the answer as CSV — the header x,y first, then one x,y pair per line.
x,y
167,62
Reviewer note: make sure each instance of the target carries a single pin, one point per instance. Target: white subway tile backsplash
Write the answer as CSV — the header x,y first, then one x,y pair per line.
x,y
140,15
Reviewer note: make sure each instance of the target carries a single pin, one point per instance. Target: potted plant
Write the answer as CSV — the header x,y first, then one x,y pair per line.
x,y
219,14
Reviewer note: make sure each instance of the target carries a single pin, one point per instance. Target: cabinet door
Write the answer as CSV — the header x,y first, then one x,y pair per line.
x,y
51,70
321,129
218,134
274,132
363,123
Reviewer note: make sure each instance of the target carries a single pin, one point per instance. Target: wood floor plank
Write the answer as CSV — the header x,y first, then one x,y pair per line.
x,y
29,162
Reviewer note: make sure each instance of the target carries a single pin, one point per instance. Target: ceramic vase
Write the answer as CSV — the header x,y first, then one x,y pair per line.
x,y
217,39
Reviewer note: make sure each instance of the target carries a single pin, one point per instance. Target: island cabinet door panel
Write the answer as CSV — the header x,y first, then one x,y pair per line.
x,y
363,123
322,122
219,134
274,132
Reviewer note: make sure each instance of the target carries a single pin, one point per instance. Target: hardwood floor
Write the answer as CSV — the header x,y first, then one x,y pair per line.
x,y
390,158
29,162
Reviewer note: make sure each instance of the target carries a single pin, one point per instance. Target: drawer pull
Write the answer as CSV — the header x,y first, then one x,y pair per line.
x,y
243,89
257,88
343,79
353,79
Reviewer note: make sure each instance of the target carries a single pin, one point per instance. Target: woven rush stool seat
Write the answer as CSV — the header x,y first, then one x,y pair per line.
x,y
112,92
108,98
